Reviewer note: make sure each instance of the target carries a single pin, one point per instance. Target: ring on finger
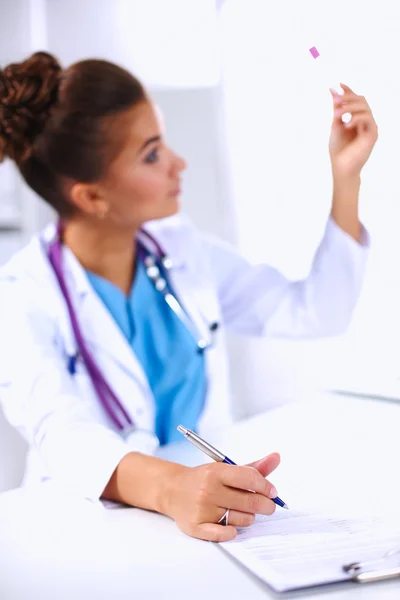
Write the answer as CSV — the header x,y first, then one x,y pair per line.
x,y
240,519
224,520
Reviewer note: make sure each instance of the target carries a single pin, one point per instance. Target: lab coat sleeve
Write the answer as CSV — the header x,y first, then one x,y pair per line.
x,y
258,300
39,398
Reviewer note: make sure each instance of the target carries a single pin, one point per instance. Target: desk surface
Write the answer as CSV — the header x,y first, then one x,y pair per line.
x,y
56,547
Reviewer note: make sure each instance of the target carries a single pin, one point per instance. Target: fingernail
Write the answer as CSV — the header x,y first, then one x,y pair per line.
x,y
272,492
338,90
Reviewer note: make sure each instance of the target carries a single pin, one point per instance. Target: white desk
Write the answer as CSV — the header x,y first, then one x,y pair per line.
x,y
54,548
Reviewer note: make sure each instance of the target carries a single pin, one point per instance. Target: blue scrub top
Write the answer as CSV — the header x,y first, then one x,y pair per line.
x,y
165,348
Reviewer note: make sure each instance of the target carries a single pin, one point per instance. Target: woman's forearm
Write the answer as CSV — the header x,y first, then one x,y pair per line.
x,y
196,497
345,206
142,481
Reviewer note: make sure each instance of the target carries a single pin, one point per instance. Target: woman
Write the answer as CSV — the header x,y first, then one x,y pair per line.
x,y
106,345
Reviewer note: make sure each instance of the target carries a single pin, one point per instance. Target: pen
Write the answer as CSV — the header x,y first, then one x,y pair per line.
x,y
215,454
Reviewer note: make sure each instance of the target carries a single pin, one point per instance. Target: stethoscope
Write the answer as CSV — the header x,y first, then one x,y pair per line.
x,y
157,265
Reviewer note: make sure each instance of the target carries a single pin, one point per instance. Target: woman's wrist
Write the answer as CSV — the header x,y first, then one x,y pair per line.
x,y
169,487
345,184
145,482
345,203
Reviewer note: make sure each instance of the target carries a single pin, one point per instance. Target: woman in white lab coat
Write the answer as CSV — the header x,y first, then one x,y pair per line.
x,y
112,323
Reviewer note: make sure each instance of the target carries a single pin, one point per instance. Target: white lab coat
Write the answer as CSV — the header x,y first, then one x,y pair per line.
x,y
71,438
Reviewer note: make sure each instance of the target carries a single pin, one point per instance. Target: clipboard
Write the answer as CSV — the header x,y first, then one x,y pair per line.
x,y
366,571
291,552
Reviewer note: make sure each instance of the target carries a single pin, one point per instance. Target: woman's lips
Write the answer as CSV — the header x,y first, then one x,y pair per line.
x,y
176,191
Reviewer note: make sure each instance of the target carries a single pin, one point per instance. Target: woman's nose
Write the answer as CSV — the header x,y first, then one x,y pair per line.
x,y
181,164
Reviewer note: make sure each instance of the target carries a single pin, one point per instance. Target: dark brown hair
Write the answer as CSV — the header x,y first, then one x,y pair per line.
x,y
57,125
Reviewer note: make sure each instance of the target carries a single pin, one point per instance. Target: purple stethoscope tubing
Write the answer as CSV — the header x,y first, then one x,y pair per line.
x,y
106,395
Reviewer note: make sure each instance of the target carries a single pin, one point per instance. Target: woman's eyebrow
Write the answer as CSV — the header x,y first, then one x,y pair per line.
x,y
156,138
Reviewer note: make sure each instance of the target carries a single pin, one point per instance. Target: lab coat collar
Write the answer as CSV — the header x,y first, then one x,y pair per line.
x,y
100,330
172,234
91,309
167,232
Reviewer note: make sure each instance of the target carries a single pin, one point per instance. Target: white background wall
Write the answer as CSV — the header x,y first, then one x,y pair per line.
x,y
256,144
278,110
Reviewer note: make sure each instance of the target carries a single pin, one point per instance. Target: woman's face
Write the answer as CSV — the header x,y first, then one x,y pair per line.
x,y
143,182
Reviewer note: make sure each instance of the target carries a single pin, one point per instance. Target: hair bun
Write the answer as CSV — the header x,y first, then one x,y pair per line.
x,y
27,92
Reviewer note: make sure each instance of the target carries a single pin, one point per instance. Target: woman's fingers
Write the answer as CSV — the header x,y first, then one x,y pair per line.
x,y
347,89
267,464
201,495
246,502
248,479
237,518
358,114
353,107
240,519
350,100
350,115
346,93
215,532
357,110
211,532
362,120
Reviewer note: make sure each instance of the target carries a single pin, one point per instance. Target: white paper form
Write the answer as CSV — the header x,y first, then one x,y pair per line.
x,y
292,550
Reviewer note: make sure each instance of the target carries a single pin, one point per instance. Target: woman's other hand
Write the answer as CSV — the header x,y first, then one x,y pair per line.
x,y
351,143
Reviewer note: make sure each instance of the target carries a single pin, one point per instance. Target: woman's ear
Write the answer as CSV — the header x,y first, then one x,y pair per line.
x,y
86,197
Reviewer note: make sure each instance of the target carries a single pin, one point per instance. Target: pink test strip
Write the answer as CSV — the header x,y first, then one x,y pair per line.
x,y
314,52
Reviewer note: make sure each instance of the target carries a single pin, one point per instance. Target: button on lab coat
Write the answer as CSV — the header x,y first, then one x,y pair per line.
x,y
71,437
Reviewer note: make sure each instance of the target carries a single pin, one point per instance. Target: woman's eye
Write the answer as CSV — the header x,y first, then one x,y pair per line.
x,y
152,157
